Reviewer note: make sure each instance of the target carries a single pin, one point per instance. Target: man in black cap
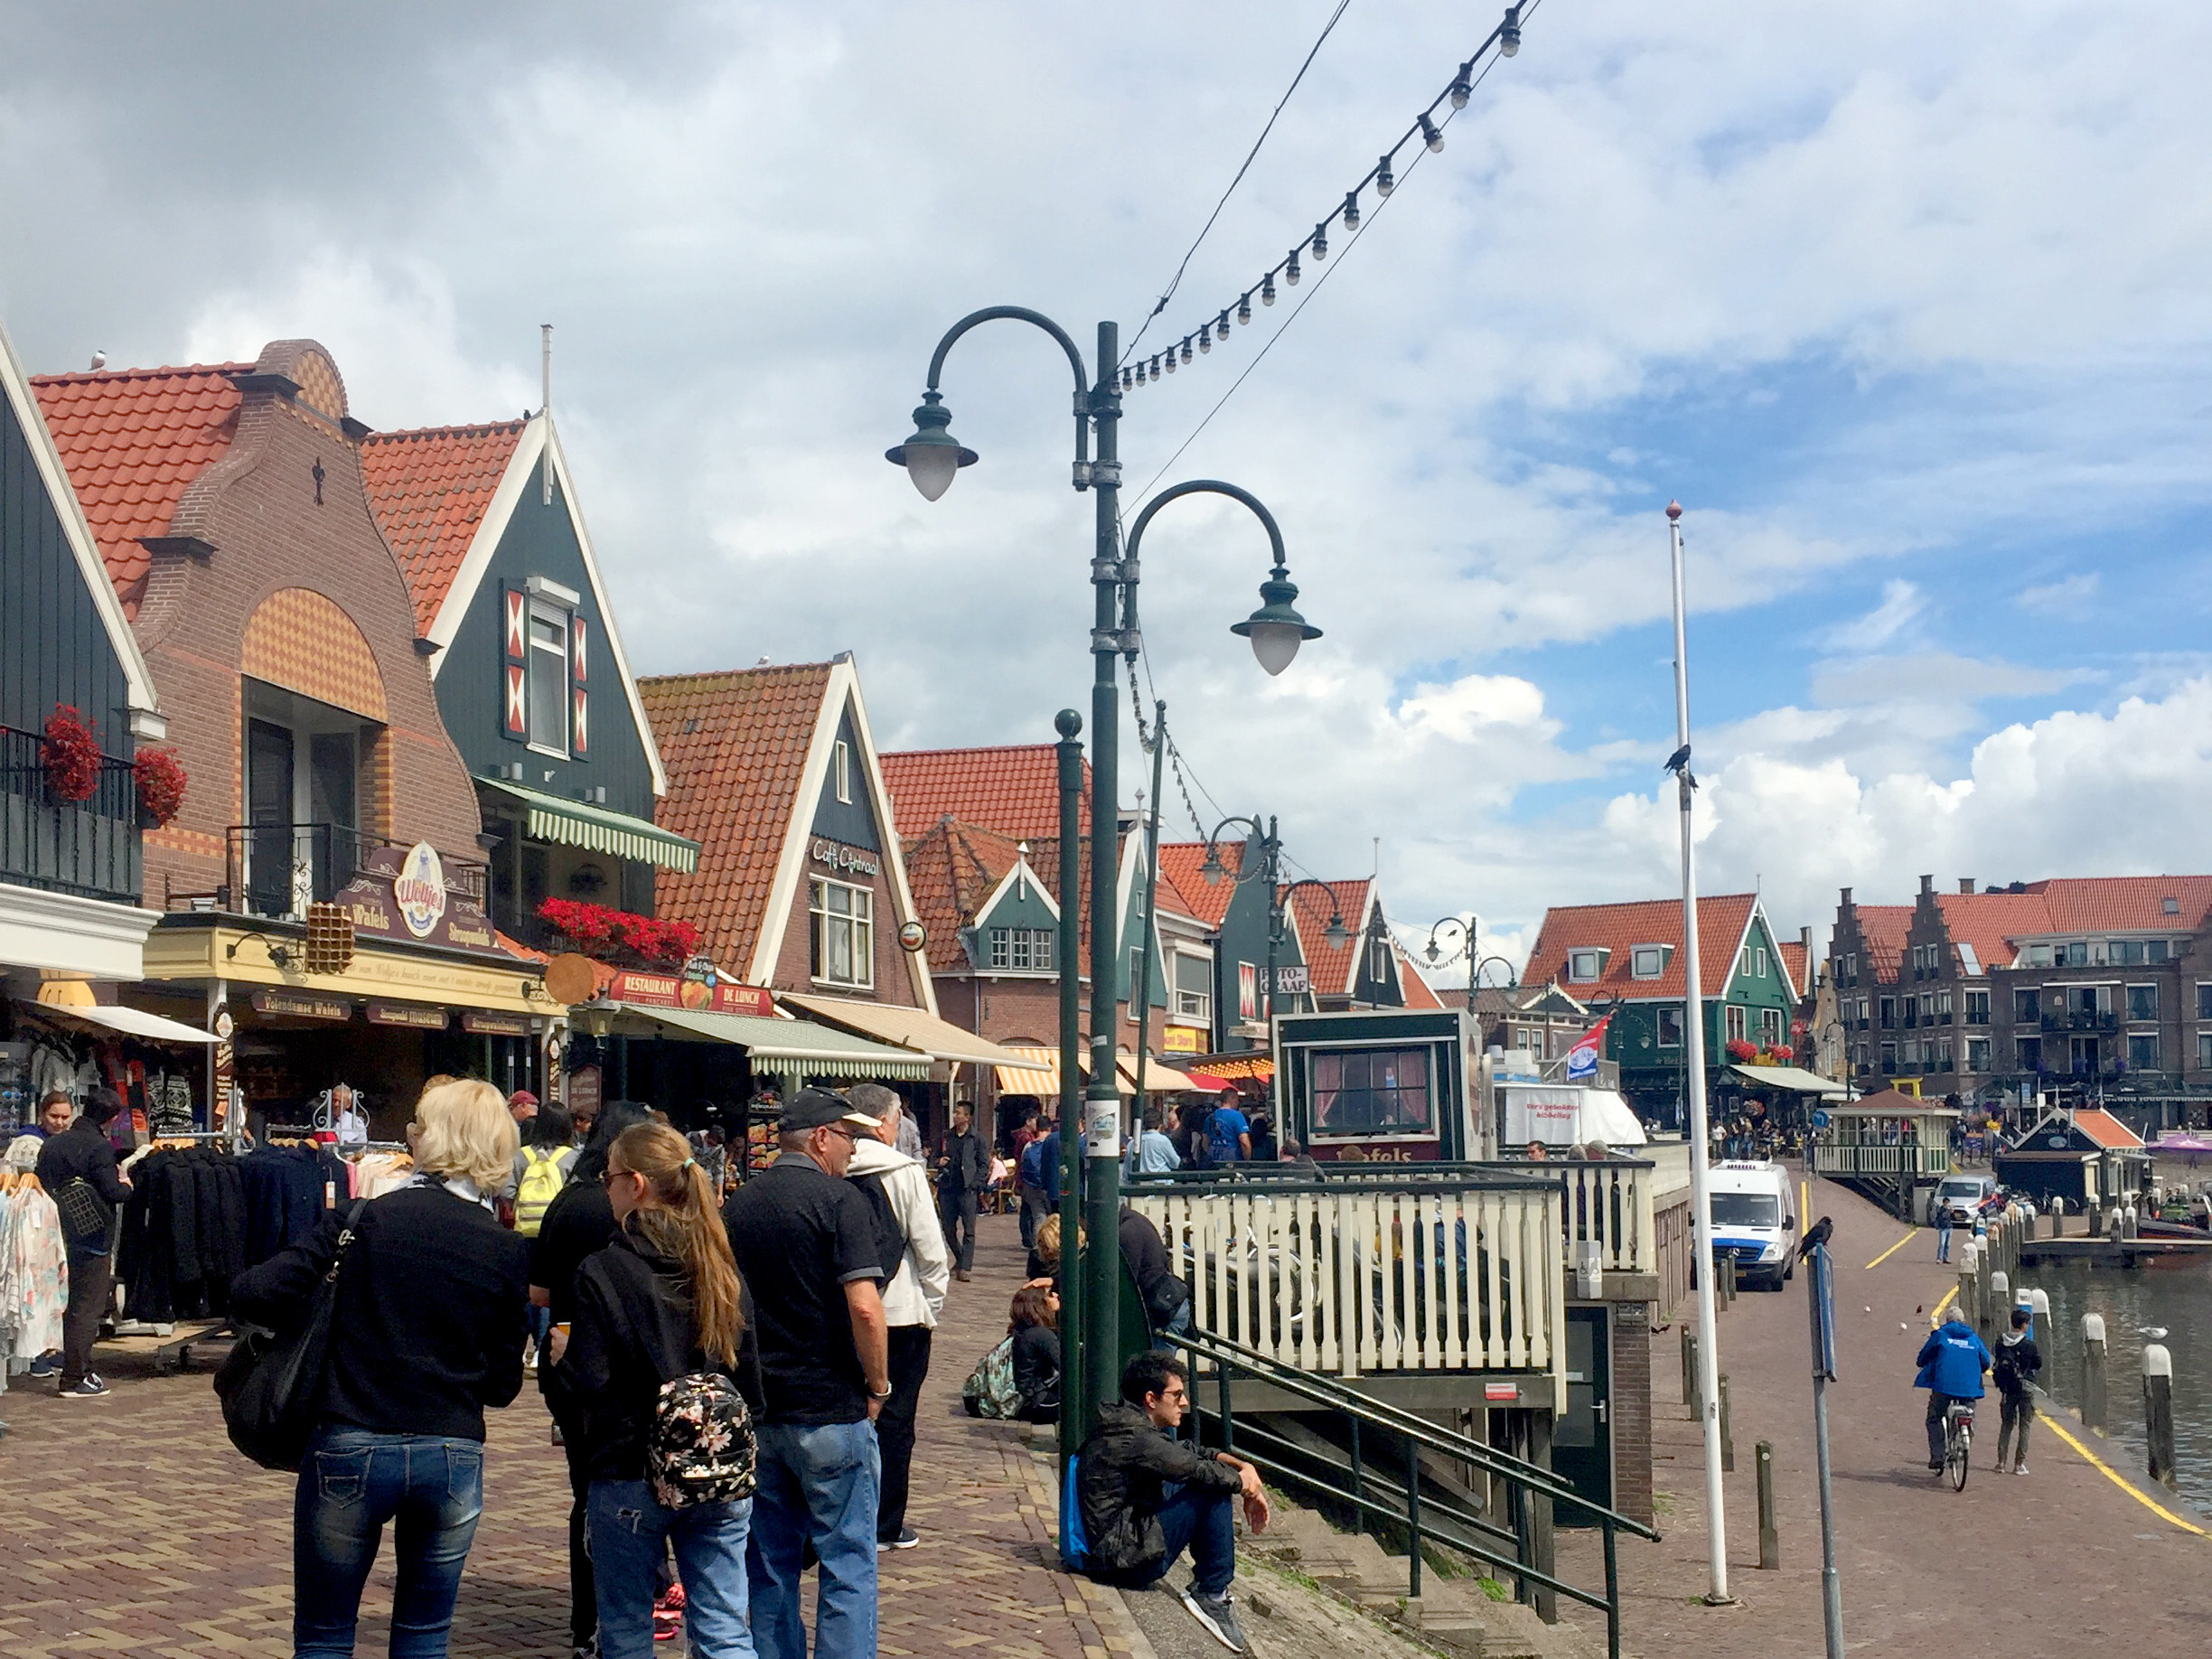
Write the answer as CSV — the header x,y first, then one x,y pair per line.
x,y
807,1247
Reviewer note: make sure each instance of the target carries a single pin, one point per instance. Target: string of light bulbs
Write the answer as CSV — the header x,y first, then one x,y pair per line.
x,y
1505,39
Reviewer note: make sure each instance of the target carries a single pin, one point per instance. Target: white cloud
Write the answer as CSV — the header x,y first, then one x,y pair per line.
x,y
2064,597
1902,604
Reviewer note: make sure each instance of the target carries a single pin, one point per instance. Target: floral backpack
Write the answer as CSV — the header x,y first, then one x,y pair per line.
x,y
702,1450
989,1389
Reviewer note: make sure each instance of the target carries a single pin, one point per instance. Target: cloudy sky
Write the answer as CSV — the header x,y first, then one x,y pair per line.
x,y
1907,306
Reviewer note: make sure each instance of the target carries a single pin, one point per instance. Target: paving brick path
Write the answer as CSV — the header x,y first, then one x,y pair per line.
x,y
129,1525
2061,1561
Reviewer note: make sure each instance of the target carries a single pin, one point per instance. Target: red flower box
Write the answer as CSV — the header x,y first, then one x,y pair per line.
x,y
71,756
161,780
599,931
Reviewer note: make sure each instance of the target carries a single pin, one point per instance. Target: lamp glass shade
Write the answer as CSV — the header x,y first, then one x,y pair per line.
x,y
1212,870
1276,644
932,467
1337,935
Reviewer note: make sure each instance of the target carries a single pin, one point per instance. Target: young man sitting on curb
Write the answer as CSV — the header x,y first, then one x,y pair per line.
x,y
1146,1496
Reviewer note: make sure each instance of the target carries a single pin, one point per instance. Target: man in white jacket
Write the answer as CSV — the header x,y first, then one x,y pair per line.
x,y
913,1297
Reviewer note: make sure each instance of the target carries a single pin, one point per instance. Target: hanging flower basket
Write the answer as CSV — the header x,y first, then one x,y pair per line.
x,y
160,781
71,755
1741,1051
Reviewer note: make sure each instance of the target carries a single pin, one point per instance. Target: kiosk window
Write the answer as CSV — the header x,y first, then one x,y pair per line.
x,y
1371,1091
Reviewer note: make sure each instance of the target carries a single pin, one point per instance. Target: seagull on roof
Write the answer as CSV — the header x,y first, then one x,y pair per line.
x,y
100,361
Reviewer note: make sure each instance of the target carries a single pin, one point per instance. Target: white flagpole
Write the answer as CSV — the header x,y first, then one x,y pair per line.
x,y
1693,1048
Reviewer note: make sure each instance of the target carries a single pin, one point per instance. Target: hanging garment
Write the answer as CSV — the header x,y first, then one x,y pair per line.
x,y
34,1273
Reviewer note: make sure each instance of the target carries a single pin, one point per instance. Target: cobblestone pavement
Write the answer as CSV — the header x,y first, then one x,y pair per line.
x,y
2060,1561
129,1524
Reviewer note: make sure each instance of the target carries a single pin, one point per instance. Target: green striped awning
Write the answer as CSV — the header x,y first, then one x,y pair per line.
x,y
595,828
795,1049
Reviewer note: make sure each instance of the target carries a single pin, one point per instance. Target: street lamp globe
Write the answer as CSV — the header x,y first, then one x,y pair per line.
x,y
932,455
1339,935
1276,630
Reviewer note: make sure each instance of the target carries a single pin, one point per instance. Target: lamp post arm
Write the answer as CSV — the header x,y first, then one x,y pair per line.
x,y
1195,486
1022,313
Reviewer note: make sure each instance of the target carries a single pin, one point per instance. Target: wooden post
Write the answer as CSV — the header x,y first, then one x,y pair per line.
x,y
1770,1540
1542,1539
1728,1277
2157,1412
1690,1365
2092,1372
1728,1440
1997,1305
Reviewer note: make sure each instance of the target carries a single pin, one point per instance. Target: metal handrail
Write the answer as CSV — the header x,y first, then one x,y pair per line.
x,y
1530,1478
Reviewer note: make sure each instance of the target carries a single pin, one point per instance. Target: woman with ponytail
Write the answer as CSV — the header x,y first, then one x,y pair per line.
x,y
662,1302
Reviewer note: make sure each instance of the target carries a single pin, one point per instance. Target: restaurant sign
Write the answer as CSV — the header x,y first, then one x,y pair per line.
x,y
1181,1040
411,1013
478,1023
700,987
301,1005
403,895
837,856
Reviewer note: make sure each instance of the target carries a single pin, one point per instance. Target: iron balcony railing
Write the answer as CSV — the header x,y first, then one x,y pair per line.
x,y
2081,1020
89,848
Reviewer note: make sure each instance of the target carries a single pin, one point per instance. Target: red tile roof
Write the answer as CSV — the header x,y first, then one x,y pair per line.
x,y
1989,921
429,488
1419,992
2123,904
1330,967
1793,962
953,868
734,745
1618,928
2103,1129
133,440
1014,789
1180,862
1883,931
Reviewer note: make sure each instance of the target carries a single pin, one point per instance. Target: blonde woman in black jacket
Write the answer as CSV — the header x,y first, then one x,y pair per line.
x,y
662,1302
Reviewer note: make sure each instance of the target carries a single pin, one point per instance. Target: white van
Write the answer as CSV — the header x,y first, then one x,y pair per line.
x,y
1962,1196
1753,1221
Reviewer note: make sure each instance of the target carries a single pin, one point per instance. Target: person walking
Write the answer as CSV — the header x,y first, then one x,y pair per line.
x,y
2016,1362
427,1332
917,1271
1151,1152
1029,1176
1147,1495
806,1246
578,1225
1228,1133
962,1174
662,1302
77,1167
541,1168
1943,1230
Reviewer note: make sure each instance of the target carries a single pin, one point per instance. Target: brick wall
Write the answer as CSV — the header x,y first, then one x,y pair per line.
x,y
1631,1410
794,961
257,507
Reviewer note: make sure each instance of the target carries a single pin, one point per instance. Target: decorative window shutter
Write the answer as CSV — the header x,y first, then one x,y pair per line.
x,y
579,738
514,620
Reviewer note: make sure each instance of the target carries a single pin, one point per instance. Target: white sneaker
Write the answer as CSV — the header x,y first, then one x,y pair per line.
x,y
2019,1468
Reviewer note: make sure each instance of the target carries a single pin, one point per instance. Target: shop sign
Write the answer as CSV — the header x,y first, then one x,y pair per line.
x,y
301,1005
706,992
1292,980
1181,1040
495,1024
837,856
580,1091
411,1013
406,896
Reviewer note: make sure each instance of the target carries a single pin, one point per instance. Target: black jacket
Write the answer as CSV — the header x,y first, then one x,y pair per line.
x,y
633,1332
2017,1360
967,1165
1037,1373
428,1329
1125,1463
82,1152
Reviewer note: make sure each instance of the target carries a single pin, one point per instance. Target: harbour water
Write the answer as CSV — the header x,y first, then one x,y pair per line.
x,y
2176,1298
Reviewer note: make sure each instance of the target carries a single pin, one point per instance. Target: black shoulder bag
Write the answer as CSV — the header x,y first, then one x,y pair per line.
x,y
271,1386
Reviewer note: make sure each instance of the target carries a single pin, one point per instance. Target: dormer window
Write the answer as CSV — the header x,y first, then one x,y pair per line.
x,y
1586,966
1648,962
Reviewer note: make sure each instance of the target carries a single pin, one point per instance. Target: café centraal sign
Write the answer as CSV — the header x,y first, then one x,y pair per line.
x,y
851,861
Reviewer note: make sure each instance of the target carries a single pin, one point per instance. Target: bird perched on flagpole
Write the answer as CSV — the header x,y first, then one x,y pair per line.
x,y
1678,763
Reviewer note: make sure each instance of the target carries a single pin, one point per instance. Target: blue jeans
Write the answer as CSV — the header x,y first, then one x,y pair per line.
x,y
1942,1244
351,1483
1206,1523
628,1527
819,1483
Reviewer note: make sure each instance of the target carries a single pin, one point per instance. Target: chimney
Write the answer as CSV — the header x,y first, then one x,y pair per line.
x,y
1966,885
1927,884
1804,944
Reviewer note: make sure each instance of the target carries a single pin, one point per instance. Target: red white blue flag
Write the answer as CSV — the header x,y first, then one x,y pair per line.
x,y
1582,1058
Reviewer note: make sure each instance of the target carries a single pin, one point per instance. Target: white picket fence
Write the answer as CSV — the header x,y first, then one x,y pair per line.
x,y
1610,1204
1367,1276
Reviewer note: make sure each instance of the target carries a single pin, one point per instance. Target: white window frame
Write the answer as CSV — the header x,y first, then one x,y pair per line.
x,y
2143,1018
1656,955
2150,1038
1762,961
1977,1054
859,924
1770,1028
1200,1003
1660,1027
1735,1023
2204,1051
841,771
1585,967
563,623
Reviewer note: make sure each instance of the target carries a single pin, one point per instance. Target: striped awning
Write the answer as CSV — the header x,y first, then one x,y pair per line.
x,y
1037,1073
788,1047
1157,1079
595,828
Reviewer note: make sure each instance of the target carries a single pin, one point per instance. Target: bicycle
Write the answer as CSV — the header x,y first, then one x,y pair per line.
x,y
1958,1442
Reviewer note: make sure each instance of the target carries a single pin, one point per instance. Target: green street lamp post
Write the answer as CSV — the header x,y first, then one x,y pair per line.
x,y
933,458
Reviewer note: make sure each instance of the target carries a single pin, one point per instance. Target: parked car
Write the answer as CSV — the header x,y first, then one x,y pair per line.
x,y
1962,1196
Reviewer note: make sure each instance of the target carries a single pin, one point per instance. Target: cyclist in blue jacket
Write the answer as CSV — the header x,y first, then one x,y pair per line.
x,y
1950,1361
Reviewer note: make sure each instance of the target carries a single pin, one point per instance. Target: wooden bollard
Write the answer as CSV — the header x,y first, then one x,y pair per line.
x,y
1728,1440
1997,1305
2094,1226
2092,1372
1770,1540
1728,1277
1690,1367
2157,1412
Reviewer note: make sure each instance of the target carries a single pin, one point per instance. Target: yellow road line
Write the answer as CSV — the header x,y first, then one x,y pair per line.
x,y
2120,1481
1804,1205
1892,1250
1950,1296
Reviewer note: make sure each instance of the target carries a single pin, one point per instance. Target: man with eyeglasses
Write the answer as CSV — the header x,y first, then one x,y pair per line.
x,y
1146,1496
808,1249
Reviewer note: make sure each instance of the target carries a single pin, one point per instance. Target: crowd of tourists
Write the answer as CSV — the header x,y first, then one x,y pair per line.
x,y
734,1378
